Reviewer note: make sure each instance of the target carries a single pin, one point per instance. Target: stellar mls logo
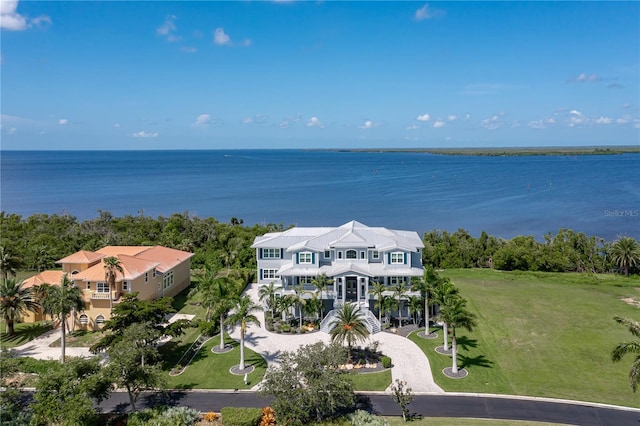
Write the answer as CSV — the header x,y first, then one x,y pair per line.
x,y
621,213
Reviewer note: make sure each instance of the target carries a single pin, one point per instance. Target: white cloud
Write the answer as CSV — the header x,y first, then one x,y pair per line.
x,y
314,122
247,120
583,77
284,124
423,117
412,127
492,123
536,124
368,124
452,117
11,20
220,38
168,26
143,134
426,12
439,123
575,112
603,120
202,120
63,122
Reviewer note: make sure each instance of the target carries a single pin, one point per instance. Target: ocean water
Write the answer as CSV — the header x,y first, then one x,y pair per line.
x,y
505,196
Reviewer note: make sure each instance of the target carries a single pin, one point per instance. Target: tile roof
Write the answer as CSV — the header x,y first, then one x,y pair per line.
x,y
116,250
166,257
44,277
82,256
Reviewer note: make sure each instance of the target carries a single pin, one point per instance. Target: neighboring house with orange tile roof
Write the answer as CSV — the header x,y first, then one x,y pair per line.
x,y
44,277
153,272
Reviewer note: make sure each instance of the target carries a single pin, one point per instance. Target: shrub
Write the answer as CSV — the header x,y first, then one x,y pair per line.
x,y
162,416
211,417
285,328
209,328
181,415
268,417
363,418
233,416
386,362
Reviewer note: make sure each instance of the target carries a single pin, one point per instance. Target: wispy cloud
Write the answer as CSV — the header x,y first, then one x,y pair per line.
x,y
168,28
188,49
63,122
223,39
427,12
423,117
203,120
439,123
584,78
368,124
315,122
11,20
143,134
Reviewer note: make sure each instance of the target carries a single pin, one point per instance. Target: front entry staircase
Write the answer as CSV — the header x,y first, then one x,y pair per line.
x,y
372,323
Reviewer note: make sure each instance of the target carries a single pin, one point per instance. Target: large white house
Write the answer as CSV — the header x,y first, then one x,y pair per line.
x,y
353,256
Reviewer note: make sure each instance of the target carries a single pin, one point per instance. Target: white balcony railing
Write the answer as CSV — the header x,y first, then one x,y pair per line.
x,y
100,295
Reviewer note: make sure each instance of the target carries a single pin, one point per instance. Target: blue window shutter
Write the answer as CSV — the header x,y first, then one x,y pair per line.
x,y
405,258
260,273
313,258
297,257
389,258
260,253
281,253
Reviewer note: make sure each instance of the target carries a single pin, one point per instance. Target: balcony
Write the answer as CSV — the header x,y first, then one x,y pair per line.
x,y
99,295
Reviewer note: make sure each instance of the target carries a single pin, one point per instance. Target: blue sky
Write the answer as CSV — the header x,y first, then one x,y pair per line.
x,y
246,74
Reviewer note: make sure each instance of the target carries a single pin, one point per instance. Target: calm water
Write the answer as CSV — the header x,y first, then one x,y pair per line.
x,y
506,196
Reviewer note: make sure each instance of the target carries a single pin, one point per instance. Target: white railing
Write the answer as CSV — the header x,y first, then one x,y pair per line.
x,y
100,295
326,325
373,325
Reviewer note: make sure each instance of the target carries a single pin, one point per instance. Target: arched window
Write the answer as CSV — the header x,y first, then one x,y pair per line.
x,y
352,254
100,320
84,319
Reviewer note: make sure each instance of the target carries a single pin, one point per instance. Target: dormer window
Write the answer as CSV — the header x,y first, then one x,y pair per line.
x,y
305,257
352,254
396,257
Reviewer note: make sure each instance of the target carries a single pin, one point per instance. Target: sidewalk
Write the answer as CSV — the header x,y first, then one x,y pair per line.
x,y
39,348
409,362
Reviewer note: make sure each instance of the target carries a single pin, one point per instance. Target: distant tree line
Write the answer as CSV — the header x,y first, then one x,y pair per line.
x,y
566,251
36,242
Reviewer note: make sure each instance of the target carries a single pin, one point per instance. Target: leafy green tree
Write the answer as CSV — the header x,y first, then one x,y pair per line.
x,y
133,361
454,313
13,409
132,310
67,396
378,290
321,283
349,326
443,291
416,305
632,347
267,294
64,300
112,266
308,385
402,395
625,253
313,306
15,301
8,263
243,316
284,303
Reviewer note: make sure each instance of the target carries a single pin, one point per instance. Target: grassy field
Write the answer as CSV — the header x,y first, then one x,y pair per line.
x,y
25,332
542,334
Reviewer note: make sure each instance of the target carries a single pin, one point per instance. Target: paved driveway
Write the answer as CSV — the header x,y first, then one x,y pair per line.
x,y
409,362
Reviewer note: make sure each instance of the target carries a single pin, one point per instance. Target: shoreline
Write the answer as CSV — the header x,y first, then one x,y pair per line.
x,y
503,152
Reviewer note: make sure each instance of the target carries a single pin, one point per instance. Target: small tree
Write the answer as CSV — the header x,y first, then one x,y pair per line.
x,y
378,290
267,294
455,314
402,396
321,282
629,347
625,253
349,326
308,385
243,316
15,301
112,266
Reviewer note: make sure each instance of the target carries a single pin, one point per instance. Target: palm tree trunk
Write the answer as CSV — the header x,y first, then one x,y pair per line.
x,y
11,327
446,336
300,321
241,349
426,315
221,332
454,351
63,340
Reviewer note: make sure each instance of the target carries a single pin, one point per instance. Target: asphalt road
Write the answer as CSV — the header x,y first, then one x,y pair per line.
x,y
422,405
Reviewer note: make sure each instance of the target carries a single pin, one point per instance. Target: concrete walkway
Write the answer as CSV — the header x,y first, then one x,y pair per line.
x,y
409,362
39,348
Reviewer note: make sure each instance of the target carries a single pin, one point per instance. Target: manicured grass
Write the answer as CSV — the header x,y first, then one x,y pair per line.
x,y
378,381
80,339
541,334
25,332
211,371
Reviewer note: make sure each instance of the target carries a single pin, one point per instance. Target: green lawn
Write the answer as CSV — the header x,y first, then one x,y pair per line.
x,y
80,339
371,381
25,332
542,334
211,371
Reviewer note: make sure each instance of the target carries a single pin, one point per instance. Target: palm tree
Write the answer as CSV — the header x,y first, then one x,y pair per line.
x,y
314,305
284,303
267,294
629,347
298,296
63,300
443,291
399,290
112,266
321,282
625,253
388,303
218,297
41,292
8,263
454,313
15,301
415,306
426,286
243,316
349,325
377,290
